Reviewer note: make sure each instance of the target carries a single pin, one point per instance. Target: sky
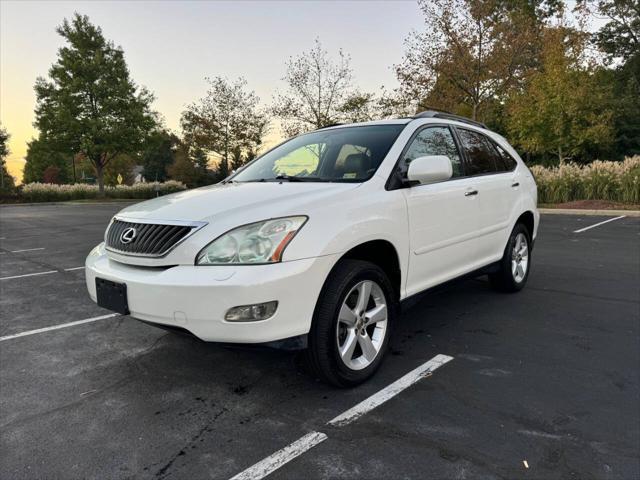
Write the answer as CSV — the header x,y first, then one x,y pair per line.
x,y
171,46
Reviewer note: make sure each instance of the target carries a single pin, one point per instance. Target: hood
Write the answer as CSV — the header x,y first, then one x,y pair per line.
x,y
254,199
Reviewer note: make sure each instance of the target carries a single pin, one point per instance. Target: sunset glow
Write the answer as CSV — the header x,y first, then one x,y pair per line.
x,y
171,47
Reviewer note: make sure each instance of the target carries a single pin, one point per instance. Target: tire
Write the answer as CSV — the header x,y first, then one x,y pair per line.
x,y
335,328
514,267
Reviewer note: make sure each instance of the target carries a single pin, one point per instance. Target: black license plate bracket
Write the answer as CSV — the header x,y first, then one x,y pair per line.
x,y
112,295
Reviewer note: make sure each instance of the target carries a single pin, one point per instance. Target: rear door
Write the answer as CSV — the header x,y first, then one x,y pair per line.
x,y
496,192
443,217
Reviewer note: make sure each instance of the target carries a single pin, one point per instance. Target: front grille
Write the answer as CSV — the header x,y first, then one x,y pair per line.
x,y
146,239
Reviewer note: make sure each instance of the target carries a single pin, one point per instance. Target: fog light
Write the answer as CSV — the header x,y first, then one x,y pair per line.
x,y
251,313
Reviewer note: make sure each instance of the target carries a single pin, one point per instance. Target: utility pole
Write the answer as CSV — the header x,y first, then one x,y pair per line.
x,y
73,160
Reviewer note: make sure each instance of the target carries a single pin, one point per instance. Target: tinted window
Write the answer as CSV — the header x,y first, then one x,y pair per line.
x,y
350,154
507,162
302,161
481,155
433,141
348,159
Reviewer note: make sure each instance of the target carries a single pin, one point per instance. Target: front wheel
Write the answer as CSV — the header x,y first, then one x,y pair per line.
x,y
352,323
513,269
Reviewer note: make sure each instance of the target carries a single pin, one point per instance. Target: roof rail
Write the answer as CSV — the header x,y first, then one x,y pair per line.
x,y
330,125
447,116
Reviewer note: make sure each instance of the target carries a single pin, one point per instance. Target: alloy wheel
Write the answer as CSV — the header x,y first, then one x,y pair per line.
x,y
362,325
520,258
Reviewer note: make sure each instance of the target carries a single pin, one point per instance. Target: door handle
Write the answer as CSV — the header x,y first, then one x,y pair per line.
x,y
470,193
515,184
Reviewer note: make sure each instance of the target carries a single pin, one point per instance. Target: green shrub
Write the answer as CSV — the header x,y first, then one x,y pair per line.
x,y
630,184
46,192
614,181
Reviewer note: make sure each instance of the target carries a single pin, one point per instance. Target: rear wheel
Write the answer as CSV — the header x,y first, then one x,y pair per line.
x,y
352,323
514,267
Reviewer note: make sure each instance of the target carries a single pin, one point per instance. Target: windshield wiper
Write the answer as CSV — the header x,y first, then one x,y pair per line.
x,y
304,179
288,178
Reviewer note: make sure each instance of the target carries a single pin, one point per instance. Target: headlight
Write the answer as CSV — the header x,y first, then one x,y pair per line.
x,y
260,242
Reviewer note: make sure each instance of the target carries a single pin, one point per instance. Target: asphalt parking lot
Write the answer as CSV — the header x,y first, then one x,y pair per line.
x,y
543,384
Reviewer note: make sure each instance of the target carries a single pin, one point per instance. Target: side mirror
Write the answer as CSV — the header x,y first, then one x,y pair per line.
x,y
430,169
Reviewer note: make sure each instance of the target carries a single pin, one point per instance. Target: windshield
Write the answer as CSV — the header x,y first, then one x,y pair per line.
x,y
349,154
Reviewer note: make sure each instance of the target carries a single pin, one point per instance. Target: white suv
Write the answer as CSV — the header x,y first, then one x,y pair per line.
x,y
315,243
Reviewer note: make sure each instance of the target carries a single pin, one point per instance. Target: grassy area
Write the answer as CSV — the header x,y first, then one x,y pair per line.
x,y
592,205
44,192
617,182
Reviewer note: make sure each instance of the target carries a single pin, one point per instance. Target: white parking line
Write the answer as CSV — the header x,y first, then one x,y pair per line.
x,y
390,391
23,250
310,440
598,224
58,327
48,272
281,457
29,275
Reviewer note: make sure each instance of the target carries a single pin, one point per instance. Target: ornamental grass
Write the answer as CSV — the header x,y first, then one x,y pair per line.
x,y
599,180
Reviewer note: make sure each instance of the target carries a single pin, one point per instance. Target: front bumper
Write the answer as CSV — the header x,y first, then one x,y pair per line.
x,y
196,298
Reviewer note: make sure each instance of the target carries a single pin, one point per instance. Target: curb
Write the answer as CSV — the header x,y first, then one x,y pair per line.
x,y
577,211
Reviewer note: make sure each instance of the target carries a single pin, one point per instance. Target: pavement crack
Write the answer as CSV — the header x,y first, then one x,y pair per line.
x,y
163,471
135,361
83,398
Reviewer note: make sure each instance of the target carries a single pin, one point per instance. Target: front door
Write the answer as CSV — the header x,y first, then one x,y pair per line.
x,y
443,217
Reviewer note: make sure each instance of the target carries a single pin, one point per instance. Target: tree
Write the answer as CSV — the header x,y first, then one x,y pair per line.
x,y
240,159
626,91
200,159
6,180
158,155
184,169
249,156
470,53
89,104
359,107
394,103
237,160
620,36
619,40
122,165
564,110
319,92
51,174
41,156
204,175
227,118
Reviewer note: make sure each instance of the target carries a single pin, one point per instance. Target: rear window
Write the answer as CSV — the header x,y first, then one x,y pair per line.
x,y
482,157
506,162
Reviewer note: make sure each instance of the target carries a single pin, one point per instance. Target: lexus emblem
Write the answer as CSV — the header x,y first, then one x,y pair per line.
x,y
128,235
